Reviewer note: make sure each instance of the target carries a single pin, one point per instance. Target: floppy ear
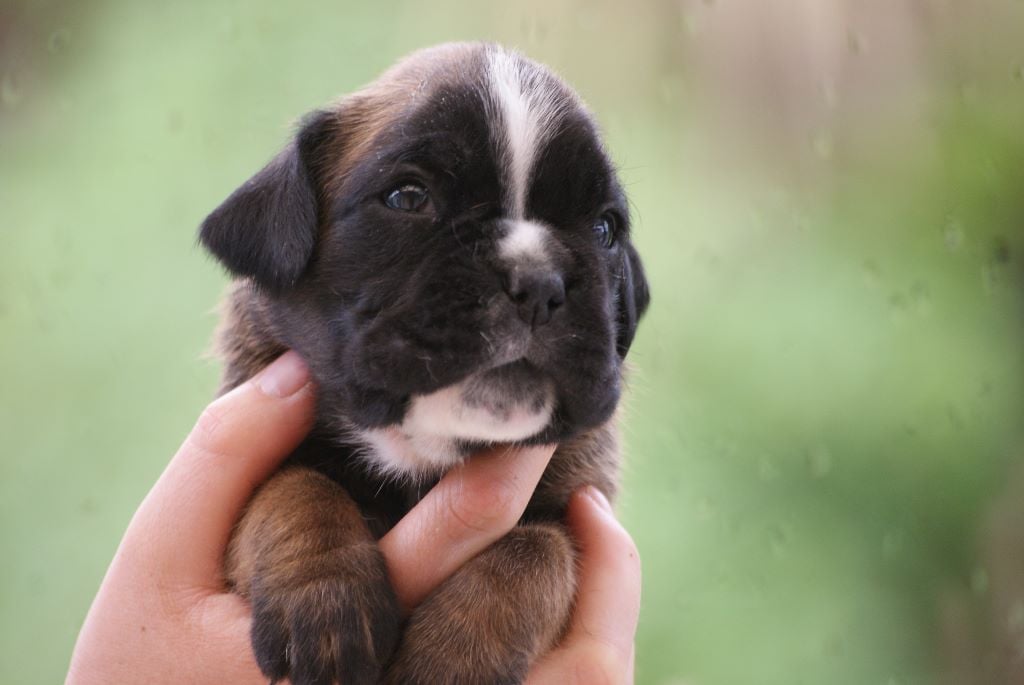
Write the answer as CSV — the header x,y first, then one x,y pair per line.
x,y
266,229
634,296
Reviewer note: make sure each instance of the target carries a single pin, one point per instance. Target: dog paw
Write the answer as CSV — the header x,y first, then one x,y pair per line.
x,y
430,667
324,629
499,612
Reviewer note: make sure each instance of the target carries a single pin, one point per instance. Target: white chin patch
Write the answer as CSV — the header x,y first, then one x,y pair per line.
x,y
497,406
453,412
395,453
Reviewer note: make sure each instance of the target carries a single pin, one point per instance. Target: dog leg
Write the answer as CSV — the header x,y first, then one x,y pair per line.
x,y
498,613
323,608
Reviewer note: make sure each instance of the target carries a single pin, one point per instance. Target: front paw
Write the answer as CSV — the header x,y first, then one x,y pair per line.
x,y
488,622
327,622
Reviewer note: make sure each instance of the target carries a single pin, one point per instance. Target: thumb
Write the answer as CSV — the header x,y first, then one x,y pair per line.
x,y
183,525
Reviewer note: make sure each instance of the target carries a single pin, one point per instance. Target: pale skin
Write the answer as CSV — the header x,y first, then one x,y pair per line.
x,y
163,614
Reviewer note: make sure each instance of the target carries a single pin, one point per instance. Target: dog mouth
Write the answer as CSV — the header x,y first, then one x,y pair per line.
x,y
503,389
506,403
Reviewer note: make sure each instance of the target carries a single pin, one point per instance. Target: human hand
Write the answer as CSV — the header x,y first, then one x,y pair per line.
x,y
981,633
598,649
162,613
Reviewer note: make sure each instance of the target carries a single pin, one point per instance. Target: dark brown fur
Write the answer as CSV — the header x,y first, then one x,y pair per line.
x,y
305,554
306,560
303,535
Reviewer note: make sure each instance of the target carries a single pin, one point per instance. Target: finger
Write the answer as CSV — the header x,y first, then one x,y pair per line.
x,y
599,645
471,507
608,597
183,525
220,627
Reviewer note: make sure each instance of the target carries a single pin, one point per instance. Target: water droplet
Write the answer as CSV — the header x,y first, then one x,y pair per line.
x,y
669,88
10,91
229,28
993,277
979,581
830,94
819,461
723,578
766,468
801,221
61,278
706,509
175,121
835,645
968,93
953,234
1018,73
955,416
778,540
1001,253
59,41
691,25
1015,617
533,30
872,273
921,298
893,542
898,306
855,42
823,144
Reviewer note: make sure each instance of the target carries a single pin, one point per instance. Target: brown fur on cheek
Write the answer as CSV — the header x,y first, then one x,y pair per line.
x,y
244,340
591,458
371,111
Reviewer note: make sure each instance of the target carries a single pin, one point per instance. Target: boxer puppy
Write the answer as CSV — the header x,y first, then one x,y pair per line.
x,y
449,251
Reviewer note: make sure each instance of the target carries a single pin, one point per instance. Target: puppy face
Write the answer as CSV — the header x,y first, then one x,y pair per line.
x,y
449,250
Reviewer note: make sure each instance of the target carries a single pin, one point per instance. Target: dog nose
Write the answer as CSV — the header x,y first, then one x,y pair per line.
x,y
537,293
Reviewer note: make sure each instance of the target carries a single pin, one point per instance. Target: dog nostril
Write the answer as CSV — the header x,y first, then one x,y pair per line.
x,y
536,294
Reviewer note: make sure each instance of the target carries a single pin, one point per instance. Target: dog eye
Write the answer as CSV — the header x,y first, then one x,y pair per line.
x,y
408,198
604,229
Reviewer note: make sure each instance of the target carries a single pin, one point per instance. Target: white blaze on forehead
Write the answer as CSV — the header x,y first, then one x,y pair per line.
x,y
524,241
529,110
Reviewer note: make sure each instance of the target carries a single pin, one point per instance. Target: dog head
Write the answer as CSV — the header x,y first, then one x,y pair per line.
x,y
449,250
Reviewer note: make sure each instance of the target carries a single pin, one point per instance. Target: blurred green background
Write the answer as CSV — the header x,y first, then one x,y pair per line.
x,y
825,427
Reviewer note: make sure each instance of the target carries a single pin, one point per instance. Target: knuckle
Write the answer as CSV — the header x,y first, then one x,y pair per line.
x,y
597,666
209,424
632,553
485,507
624,548
212,425
210,430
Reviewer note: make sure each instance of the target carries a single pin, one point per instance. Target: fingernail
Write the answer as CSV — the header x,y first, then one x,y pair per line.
x,y
285,376
599,498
